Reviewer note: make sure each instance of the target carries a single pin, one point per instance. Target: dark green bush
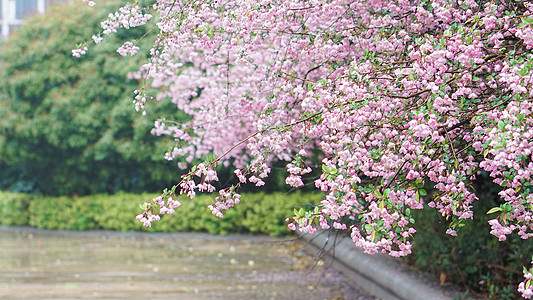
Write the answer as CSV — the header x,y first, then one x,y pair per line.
x,y
68,125
474,258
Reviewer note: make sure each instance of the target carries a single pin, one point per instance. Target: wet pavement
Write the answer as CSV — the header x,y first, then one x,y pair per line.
x,y
40,264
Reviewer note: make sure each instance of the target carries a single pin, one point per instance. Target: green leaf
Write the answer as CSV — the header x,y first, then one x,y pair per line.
x,y
328,169
423,192
522,72
526,21
493,210
507,207
419,183
386,193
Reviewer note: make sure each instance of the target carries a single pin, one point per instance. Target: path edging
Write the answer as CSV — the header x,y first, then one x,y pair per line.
x,y
378,270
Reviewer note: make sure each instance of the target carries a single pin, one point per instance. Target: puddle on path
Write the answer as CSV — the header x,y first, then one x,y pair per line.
x,y
39,264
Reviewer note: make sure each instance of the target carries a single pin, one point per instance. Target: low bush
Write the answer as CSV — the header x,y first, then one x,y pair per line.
x,y
267,213
14,208
257,213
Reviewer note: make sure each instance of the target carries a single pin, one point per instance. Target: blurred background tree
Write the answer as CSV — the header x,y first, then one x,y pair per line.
x,y
68,125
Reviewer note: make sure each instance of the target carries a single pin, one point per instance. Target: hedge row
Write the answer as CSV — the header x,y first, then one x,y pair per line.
x,y
257,213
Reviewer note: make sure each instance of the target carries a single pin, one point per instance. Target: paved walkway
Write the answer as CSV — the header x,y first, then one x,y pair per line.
x,y
51,264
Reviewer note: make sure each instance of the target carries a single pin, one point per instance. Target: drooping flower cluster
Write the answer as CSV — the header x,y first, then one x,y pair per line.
x,y
128,48
525,287
390,96
128,16
79,52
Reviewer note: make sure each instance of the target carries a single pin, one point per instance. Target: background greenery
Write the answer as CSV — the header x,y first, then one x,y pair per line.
x,y
68,125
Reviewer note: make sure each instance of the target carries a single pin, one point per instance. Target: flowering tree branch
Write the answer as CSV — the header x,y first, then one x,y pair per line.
x,y
394,95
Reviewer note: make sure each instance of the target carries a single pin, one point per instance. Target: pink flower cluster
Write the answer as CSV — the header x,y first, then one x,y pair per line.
x,y
126,17
128,48
226,200
525,287
79,52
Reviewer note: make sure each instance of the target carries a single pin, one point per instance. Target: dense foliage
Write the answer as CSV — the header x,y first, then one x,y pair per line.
x,y
261,214
68,127
474,259
390,96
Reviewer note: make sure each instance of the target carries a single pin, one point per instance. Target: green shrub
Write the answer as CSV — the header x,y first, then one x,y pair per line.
x,y
267,213
117,212
14,208
257,213
62,213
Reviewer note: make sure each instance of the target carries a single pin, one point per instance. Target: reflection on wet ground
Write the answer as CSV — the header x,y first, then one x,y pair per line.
x,y
38,264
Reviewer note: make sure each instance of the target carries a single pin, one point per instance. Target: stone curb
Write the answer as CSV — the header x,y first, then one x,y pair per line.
x,y
376,274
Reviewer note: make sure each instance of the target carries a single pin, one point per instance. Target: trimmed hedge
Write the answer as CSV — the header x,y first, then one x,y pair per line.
x,y
257,213
14,208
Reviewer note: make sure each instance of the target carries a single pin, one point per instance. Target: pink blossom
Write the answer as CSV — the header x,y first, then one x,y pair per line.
x,y
451,232
128,48
90,3
79,52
